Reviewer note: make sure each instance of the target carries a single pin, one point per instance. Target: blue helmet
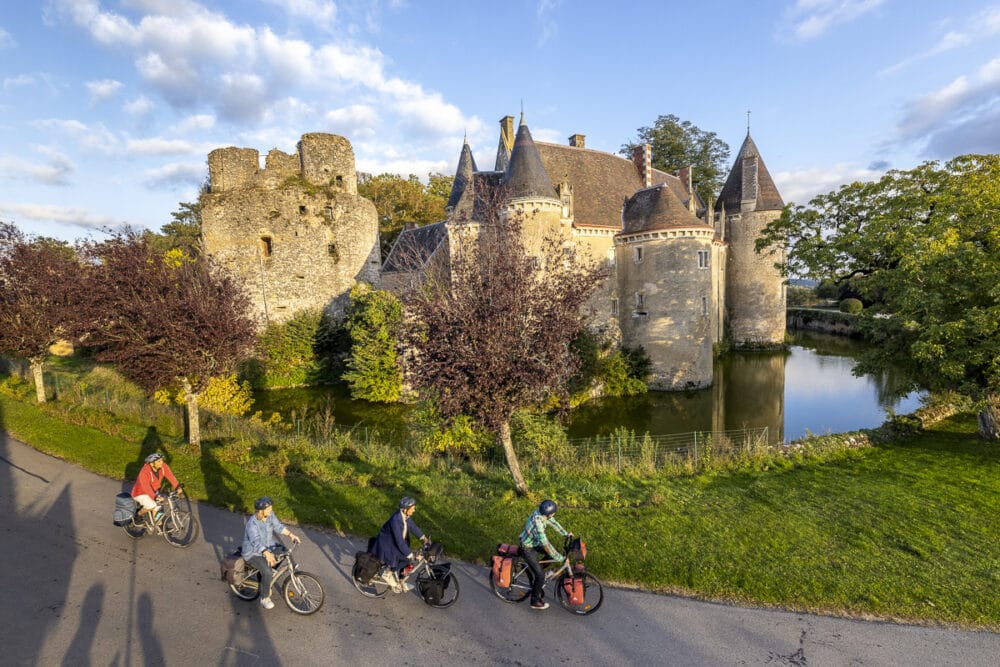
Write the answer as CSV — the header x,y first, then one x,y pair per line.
x,y
406,503
548,507
155,456
262,503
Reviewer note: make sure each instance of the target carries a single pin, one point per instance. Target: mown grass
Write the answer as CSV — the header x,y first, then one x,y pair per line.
x,y
902,530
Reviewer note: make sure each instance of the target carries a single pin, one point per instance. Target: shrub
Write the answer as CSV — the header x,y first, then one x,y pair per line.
x,y
539,436
374,320
288,353
828,290
851,306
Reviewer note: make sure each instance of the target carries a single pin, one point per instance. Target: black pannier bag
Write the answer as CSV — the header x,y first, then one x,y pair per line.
x,y
124,509
432,587
366,566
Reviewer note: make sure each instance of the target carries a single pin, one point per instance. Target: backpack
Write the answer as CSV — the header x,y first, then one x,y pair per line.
x,y
124,509
432,588
573,585
503,561
232,566
366,566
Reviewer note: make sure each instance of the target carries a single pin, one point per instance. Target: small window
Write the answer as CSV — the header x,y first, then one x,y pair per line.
x,y
640,301
331,249
638,254
702,259
340,182
611,256
265,246
328,212
614,307
302,210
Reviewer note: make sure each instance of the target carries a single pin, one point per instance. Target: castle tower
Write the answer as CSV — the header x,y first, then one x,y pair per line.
x,y
755,290
664,260
460,202
531,193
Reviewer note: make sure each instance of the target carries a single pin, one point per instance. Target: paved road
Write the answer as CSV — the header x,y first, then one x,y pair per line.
x,y
77,591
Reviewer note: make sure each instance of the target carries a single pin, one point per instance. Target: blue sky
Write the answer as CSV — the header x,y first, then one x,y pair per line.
x,y
108,108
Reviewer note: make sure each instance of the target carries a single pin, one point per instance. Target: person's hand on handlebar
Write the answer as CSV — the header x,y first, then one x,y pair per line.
x,y
427,540
269,557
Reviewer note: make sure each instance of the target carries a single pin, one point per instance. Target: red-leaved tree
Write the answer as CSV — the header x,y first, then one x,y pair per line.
x,y
495,338
166,321
39,294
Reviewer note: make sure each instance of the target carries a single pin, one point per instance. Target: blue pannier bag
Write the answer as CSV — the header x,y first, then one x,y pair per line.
x,y
124,508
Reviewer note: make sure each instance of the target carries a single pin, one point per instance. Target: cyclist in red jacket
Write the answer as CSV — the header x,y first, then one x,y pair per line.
x,y
147,485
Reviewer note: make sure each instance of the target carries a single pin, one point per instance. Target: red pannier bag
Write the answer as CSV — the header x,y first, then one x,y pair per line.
x,y
503,561
573,585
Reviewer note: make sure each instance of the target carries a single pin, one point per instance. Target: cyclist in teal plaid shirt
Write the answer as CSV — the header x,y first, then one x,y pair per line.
x,y
534,543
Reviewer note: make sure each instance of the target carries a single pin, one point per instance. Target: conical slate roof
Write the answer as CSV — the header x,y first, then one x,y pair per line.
x,y
525,176
656,208
767,196
461,189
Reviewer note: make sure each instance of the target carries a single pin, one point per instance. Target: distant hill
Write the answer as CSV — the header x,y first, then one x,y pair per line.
x,y
803,282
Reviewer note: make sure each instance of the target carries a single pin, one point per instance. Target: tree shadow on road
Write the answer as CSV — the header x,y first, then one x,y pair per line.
x,y
78,652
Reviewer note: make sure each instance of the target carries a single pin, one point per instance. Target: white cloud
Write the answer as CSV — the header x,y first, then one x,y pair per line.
x,y
95,137
547,135
985,25
102,89
320,12
158,146
801,185
202,121
140,106
548,28
55,172
18,81
6,40
60,214
811,18
357,120
176,173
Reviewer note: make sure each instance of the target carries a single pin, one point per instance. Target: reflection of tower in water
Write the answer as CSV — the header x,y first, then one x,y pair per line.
x,y
749,392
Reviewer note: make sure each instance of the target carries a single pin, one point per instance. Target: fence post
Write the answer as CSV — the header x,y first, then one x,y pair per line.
x,y
696,447
619,454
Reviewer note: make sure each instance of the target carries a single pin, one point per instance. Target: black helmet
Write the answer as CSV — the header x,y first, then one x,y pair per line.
x,y
548,507
406,503
155,456
262,503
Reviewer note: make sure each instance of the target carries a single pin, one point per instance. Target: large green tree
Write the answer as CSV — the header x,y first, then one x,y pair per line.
x,y
182,233
922,247
40,289
399,200
374,321
677,143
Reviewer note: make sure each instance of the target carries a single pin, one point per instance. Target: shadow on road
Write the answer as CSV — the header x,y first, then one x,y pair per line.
x,y
78,652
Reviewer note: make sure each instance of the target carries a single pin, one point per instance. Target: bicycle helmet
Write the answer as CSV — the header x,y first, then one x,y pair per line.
x,y
155,456
406,503
548,507
262,503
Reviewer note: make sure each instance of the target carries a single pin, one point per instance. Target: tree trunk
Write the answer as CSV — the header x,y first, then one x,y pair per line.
x,y
508,452
36,373
194,426
989,418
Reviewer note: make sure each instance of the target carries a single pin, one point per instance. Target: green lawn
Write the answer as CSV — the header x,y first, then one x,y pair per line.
x,y
907,530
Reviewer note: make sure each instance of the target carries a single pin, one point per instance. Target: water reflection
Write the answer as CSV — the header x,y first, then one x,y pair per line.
x,y
809,388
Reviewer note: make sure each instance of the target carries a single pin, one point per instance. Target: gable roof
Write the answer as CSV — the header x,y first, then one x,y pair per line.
x,y
655,208
768,198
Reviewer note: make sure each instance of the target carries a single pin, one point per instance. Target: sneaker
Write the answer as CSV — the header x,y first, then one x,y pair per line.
x,y
541,604
267,604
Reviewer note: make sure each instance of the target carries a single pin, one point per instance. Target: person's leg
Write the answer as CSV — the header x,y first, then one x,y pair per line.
x,y
146,504
266,574
535,573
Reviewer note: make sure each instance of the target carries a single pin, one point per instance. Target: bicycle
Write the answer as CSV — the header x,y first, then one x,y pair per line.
x,y
436,582
177,525
581,602
302,591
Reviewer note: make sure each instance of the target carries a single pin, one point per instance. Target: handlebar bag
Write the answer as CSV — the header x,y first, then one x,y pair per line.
x,y
124,509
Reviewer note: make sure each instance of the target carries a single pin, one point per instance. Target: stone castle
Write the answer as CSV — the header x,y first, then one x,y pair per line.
x,y
683,276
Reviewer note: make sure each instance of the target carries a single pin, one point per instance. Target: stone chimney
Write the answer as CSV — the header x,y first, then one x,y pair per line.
x,y
577,141
643,160
507,132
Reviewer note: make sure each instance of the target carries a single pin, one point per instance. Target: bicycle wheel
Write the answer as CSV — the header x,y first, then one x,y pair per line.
x,y
375,588
593,594
449,586
303,593
179,528
520,583
247,586
134,529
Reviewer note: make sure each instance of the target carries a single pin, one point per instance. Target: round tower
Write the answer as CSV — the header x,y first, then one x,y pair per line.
x,y
664,268
755,289
531,194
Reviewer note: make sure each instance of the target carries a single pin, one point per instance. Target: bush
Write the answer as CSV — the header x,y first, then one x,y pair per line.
x,y
289,353
828,290
851,306
542,438
374,320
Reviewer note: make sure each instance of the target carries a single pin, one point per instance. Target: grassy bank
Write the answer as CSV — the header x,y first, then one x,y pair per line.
x,y
906,530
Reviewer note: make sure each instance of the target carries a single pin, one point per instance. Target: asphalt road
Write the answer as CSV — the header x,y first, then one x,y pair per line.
x,y
77,591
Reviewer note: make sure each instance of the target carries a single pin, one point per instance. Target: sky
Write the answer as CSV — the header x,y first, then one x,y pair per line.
x,y
109,108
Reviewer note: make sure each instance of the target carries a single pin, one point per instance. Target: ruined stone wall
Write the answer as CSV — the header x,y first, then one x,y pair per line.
x,y
673,320
293,243
328,159
755,290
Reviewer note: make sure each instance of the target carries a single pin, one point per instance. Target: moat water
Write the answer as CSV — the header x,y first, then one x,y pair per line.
x,y
810,388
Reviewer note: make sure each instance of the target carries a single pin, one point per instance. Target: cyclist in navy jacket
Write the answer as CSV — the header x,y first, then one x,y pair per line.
x,y
392,545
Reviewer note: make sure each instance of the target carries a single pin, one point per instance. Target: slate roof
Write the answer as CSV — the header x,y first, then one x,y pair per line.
x,y
601,182
414,248
525,175
461,192
655,208
768,198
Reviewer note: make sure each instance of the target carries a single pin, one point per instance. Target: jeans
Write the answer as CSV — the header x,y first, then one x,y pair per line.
x,y
266,574
535,572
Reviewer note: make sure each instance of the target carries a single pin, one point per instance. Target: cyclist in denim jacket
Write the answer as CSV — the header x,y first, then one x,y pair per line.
x,y
534,543
258,540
